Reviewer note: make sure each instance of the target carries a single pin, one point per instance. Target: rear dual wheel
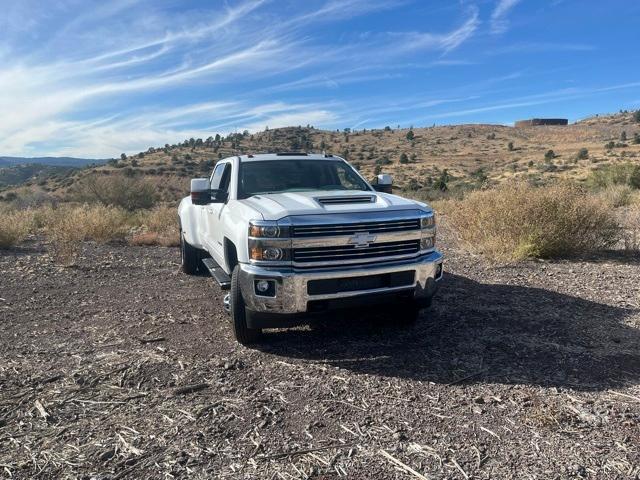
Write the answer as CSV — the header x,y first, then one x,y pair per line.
x,y
190,256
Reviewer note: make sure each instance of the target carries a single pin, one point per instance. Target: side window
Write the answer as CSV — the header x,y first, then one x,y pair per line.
x,y
217,175
226,178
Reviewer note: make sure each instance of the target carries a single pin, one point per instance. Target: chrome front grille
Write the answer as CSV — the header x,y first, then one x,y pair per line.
x,y
353,253
351,228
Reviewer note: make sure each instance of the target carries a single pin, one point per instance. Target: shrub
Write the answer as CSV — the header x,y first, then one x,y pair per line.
x,y
66,231
403,158
517,221
510,146
67,227
159,227
410,135
616,195
128,193
549,155
14,226
636,116
617,174
631,224
582,154
105,224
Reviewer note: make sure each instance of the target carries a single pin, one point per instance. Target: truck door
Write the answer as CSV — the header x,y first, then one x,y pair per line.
x,y
214,235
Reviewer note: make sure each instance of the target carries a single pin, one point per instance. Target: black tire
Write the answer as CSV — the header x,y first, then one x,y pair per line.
x,y
190,256
239,314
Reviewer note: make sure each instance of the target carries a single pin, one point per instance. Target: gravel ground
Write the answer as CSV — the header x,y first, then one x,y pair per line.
x,y
527,371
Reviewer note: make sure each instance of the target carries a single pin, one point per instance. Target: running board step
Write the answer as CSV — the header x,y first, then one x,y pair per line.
x,y
218,274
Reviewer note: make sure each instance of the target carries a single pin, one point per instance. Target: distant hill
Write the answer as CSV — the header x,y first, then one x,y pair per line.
x,y
18,174
421,160
56,161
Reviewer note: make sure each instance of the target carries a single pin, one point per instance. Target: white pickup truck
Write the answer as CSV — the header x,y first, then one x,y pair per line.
x,y
290,234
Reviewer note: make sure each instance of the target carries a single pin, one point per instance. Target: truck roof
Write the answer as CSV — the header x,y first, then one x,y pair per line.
x,y
287,156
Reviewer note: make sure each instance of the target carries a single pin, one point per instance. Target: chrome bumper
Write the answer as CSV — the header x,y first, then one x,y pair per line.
x,y
291,295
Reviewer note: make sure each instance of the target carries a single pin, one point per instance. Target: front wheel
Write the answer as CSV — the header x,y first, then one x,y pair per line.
x,y
239,313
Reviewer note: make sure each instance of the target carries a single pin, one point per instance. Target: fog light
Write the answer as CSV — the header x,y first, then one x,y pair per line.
x,y
272,253
265,288
426,243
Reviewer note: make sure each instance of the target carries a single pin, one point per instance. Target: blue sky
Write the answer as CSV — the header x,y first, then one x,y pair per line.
x,y
95,79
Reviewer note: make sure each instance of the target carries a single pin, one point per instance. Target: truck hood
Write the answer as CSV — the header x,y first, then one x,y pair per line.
x,y
274,206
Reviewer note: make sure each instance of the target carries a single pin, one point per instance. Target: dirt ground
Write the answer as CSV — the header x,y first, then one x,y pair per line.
x,y
528,371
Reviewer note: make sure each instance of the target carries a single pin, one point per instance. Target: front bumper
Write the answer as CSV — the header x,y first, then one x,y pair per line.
x,y
292,295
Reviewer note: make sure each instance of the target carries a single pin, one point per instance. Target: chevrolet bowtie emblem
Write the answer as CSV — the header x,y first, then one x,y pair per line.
x,y
362,239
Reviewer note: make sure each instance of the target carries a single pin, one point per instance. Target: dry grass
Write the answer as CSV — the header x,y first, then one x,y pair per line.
x,y
158,227
617,195
630,218
128,193
14,226
517,221
67,227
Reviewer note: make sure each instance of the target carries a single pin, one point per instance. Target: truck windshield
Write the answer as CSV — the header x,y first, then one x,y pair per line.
x,y
278,176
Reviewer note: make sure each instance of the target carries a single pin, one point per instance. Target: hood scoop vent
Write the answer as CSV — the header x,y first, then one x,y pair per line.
x,y
346,200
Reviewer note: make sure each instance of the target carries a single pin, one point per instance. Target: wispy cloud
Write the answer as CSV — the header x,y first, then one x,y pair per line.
x,y
93,78
499,20
446,42
74,92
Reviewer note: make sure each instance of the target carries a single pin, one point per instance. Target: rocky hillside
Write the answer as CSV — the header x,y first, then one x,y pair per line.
x,y
419,158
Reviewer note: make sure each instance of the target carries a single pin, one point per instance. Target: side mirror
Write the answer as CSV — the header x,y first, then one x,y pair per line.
x,y
200,191
383,183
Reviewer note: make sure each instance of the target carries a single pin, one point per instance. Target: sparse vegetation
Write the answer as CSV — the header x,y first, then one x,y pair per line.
x,y
14,226
517,221
582,154
616,174
617,195
68,226
158,227
122,191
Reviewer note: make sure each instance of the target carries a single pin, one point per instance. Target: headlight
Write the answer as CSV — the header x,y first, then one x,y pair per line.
x,y
269,254
428,227
428,221
263,229
269,242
